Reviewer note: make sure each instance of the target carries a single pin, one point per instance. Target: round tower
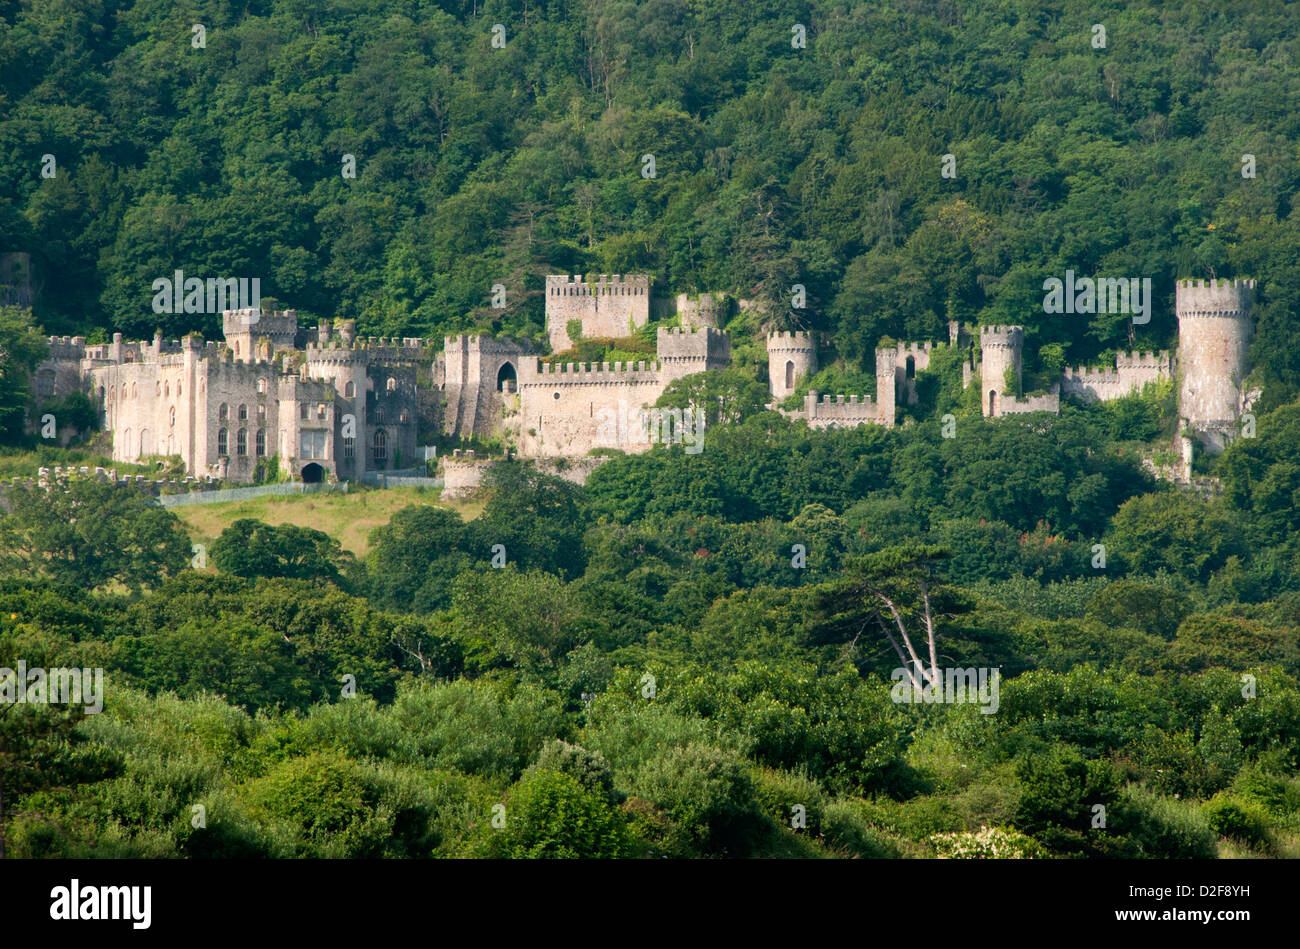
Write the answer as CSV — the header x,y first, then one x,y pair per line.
x,y
791,356
1213,335
1000,350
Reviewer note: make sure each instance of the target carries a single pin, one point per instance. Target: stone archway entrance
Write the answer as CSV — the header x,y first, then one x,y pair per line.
x,y
507,381
313,474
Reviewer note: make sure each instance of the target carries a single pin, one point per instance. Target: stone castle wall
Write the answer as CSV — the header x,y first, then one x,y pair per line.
x,y
826,411
571,409
1131,373
615,306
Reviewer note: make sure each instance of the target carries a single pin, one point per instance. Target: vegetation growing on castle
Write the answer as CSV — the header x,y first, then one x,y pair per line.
x,y
688,655
775,166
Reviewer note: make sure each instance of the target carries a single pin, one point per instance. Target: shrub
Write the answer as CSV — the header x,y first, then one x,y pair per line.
x,y
1231,816
709,796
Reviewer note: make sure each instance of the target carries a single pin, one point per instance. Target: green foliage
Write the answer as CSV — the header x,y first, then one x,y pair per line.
x,y
1174,531
550,815
709,797
1230,816
249,548
21,348
1122,690
91,534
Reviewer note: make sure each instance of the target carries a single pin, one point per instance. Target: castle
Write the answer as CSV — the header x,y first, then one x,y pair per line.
x,y
326,405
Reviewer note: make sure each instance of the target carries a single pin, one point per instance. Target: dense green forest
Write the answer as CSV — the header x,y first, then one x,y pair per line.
x,y
652,673
689,655
775,165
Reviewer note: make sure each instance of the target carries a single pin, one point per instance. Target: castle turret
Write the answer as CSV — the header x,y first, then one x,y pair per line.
x,y
886,386
790,357
1000,350
1214,332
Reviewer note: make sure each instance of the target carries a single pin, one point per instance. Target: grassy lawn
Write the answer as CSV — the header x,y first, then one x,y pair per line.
x,y
348,517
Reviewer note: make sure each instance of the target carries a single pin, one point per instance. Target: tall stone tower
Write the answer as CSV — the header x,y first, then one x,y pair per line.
x,y
886,386
1214,332
791,356
1000,350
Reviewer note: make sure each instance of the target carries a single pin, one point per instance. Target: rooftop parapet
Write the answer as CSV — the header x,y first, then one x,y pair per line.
x,y
607,285
1210,298
792,341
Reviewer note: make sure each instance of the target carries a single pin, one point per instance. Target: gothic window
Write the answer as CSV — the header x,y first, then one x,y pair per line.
x,y
243,412
223,412
261,443
135,390
261,387
261,413
311,444
349,447
304,411
789,375
167,389
222,445
910,372
379,446
241,442
178,390
350,390
392,384
173,416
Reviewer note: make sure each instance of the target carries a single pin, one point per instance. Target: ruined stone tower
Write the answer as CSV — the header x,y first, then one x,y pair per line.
x,y
1000,350
790,357
1214,332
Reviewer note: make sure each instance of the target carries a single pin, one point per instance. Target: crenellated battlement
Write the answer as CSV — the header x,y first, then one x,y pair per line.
x,y
838,411
1224,284
280,325
1001,335
1144,360
800,339
367,349
1213,298
67,347
693,344
589,373
563,285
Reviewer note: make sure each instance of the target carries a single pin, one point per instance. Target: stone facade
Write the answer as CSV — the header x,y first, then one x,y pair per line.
x,y
821,412
329,405
614,306
791,356
331,409
1132,372
1214,331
